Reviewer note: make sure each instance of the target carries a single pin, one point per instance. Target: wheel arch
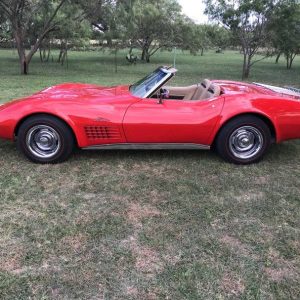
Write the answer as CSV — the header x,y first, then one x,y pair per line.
x,y
264,118
22,120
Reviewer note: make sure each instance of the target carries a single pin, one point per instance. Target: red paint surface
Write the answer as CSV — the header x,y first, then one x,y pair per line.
x,y
145,121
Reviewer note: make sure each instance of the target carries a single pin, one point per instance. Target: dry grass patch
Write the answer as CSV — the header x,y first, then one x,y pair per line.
x,y
147,260
284,273
137,213
232,285
12,261
147,224
75,243
236,246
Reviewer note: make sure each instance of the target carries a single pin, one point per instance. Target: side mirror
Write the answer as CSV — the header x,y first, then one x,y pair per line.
x,y
163,94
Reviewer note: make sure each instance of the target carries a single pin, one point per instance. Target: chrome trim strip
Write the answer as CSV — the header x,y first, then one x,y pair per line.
x,y
149,146
281,90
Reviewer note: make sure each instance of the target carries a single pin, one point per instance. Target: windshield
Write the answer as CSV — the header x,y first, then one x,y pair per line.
x,y
148,85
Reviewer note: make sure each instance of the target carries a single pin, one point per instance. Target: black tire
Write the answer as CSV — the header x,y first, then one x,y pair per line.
x,y
45,139
243,140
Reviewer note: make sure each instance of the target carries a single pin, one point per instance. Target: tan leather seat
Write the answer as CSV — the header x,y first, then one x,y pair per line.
x,y
201,90
204,90
186,92
191,92
213,91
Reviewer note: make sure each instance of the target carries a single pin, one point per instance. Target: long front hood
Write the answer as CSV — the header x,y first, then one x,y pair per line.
x,y
73,91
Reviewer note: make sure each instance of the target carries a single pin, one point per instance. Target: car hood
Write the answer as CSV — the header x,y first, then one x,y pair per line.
x,y
80,90
76,92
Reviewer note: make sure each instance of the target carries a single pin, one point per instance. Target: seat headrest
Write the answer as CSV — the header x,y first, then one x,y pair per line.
x,y
214,89
205,83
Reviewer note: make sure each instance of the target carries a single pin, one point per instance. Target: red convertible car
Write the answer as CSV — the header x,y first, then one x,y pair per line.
x,y
239,120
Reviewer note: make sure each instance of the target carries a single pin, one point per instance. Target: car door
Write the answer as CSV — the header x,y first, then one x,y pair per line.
x,y
172,121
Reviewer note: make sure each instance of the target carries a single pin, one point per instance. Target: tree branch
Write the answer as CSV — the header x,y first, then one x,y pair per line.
x,y
257,60
155,50
5,8
54,13
47,28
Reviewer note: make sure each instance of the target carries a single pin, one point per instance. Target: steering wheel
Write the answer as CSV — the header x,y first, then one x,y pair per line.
x,y
164,93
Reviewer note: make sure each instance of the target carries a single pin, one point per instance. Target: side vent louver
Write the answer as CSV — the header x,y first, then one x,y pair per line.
x,y
102,132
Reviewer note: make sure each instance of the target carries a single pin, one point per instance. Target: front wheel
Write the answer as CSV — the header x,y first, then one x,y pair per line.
x,y
243,140
45,139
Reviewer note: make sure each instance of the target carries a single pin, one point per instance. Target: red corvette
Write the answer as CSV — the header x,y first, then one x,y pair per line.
x,y
239,120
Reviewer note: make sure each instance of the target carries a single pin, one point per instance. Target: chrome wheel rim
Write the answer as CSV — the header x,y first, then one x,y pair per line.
x,y
43,141
245,142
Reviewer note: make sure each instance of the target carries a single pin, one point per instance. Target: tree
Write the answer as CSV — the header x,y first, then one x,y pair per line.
x,y
285,30
21,14
219,36
248,22
192,37
5,33
97,12
149,25
75,30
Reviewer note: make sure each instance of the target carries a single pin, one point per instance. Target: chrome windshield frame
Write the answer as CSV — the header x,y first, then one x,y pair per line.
x,y
169,73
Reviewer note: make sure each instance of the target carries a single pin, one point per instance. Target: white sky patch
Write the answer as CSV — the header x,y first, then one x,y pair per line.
x,y
194,9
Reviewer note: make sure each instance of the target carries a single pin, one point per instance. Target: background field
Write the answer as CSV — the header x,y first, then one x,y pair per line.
x,y
148,224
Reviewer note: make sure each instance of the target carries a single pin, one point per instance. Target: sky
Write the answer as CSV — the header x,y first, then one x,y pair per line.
x,y
194,9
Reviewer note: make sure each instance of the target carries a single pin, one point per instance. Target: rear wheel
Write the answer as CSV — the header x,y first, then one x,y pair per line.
x,y
45,139
244,140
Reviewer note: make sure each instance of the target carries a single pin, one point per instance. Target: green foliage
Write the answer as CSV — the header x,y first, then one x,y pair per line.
x,y
285,29
74,28
149,25
5,30
219,36
248,22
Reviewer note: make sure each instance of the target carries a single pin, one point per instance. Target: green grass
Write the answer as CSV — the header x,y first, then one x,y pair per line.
x,y
147,224
98,67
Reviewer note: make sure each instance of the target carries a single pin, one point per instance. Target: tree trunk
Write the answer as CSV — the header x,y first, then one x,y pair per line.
x,y
288,64
21,52
109,42
202,51
41,56
24,65
64,57
143,54
246,66
148,58
16,19
60,55
48,55
146,54
277,58
289,60
116,60
146,49
246,72
24,58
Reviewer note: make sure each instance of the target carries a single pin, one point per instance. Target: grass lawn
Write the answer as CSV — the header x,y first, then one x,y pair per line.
x,y
148,224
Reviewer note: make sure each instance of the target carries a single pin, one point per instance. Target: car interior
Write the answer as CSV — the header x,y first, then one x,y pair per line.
x,y
201,91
